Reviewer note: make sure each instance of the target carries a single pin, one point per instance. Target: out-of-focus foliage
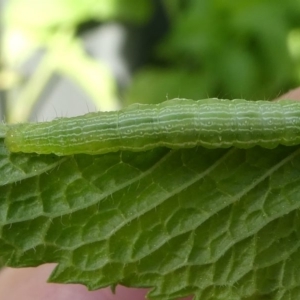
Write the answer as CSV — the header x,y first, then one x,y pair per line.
x,y
294,46
52,25
223,48
229,49
40,20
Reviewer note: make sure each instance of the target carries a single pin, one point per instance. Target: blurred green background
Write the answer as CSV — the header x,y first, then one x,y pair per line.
x,y
167,48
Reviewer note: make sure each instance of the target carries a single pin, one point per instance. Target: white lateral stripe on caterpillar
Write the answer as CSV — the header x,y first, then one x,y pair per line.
x,y
177,123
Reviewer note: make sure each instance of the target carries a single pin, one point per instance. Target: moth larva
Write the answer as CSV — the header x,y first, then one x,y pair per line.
x,y
177,123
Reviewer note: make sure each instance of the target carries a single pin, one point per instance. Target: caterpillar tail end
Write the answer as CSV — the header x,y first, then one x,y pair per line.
x,y
13,141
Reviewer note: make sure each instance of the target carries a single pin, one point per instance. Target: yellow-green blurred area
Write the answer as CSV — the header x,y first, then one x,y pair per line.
x,y
206,48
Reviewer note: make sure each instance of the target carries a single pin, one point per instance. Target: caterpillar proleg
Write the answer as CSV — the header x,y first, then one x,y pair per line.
x,y
177,123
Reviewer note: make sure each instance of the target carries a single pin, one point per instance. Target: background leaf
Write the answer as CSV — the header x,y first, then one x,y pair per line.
x,y
227,50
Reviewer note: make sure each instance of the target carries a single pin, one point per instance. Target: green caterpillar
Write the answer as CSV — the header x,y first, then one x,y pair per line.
x,y
177,123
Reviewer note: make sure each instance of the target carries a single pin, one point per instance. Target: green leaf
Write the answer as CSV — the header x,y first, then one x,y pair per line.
x,y
220,224
233,42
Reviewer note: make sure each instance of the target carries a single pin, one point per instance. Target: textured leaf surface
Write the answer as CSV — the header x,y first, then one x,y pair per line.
x,y
220,224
